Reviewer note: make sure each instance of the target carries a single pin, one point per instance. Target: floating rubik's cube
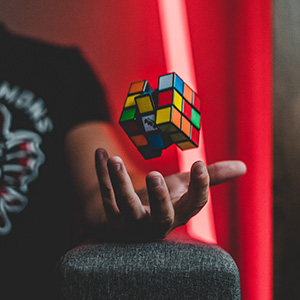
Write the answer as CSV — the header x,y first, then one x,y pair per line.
x,y
156,119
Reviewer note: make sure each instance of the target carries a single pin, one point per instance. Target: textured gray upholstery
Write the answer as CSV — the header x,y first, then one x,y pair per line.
x,y
154,270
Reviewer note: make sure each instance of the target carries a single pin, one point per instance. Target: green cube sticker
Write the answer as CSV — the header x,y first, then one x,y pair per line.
x,y
128,114
195,118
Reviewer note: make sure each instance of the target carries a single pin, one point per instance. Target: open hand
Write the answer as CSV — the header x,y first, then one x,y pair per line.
x,y
165,204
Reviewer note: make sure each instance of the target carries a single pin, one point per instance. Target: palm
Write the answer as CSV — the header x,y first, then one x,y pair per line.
x,y
177,185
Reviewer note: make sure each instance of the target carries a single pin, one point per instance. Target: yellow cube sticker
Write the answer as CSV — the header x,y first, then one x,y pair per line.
x,y
163,115
177,101
130,101
144,104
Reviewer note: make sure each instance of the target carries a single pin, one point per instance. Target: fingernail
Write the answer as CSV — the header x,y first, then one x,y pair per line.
x,y
155,181
101,153
199,169
116,167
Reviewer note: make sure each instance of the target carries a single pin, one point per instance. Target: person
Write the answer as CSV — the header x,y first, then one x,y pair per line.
x,y
64,176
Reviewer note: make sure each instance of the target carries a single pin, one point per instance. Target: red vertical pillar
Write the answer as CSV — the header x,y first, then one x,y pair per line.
x,y
253,65
179,58
232,45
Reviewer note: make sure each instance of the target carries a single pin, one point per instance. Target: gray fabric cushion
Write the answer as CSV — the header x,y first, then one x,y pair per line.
x,y
154,270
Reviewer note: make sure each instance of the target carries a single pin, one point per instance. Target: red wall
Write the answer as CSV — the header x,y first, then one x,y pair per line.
x,y
232,51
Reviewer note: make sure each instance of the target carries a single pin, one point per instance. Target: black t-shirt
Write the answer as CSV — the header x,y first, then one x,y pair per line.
x,y
45,90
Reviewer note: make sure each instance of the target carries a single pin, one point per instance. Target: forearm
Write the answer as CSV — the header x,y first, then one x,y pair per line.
x,y
80,146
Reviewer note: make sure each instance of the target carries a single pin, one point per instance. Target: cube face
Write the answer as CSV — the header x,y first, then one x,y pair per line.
x,y
169,81
130,101
156,141
144,103
156,119
163,115
148,153
139,140
128,114
131,127
197,102
187,110
148,122
188,94
168,119
186,127
165,82
178,137
185,145
195,118
139,87
195,135
165,98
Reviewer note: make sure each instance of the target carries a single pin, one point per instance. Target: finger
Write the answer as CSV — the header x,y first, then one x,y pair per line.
x,y
162,211
219,172
199,186
196,196
108,197
226,170
127,200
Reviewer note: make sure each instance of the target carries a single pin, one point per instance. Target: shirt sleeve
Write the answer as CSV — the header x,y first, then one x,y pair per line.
x,y
83,96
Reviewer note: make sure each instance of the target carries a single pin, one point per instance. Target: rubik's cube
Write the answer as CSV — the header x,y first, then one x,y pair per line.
x,y
154,119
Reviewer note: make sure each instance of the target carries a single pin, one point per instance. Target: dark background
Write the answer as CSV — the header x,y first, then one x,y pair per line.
x,y
286,89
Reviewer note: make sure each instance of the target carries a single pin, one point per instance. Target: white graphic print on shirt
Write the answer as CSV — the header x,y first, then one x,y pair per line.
x,y
27,102
20,159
